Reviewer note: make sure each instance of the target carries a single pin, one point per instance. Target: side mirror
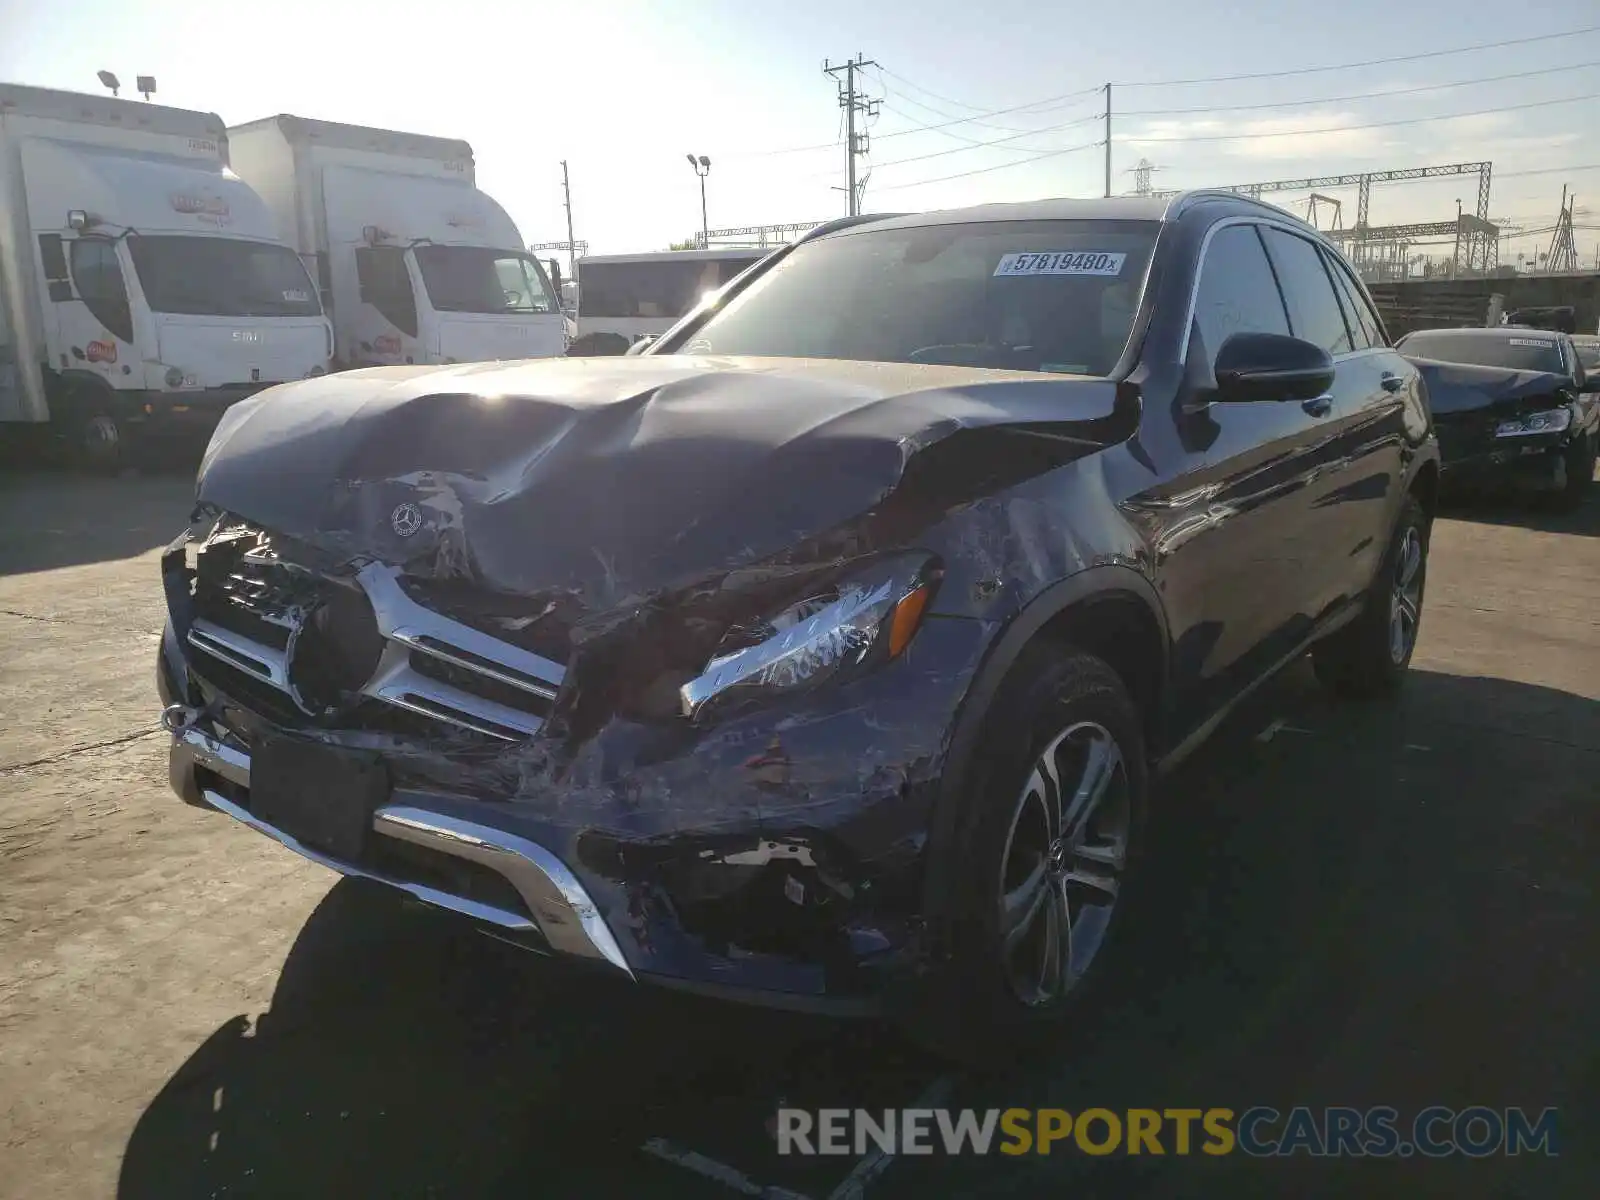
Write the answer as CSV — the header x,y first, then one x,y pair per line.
x,y
1271,366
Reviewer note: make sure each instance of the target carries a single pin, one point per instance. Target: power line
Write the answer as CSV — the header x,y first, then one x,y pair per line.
x,y
994,142
894,187
1482,112
1371,62
1048,101
961,137
952,119
1431,87
1055,101
1572,170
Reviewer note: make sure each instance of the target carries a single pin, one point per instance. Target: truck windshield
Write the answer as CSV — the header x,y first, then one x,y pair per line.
x,y
1525,350
222,277
652,287
474,279
1054,296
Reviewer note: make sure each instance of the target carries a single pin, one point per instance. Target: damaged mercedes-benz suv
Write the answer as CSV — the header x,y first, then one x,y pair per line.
x,y
822,654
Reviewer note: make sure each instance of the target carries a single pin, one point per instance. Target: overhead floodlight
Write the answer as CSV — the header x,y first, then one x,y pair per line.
x,y
109,80
147,85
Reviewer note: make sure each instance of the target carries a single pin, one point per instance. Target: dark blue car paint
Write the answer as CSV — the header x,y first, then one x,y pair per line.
x,y
1235,534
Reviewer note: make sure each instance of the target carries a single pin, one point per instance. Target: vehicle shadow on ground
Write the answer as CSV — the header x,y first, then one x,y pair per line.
x,y
64,519
1389,904
1526,512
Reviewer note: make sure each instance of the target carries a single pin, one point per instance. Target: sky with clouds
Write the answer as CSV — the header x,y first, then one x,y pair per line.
x,y
991,101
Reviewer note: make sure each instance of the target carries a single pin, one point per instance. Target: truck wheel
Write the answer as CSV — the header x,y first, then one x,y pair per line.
x,y
89,436
594,344
1051,825
1369,656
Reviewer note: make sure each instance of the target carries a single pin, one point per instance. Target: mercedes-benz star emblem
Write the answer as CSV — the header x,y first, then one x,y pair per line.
x,y
406,519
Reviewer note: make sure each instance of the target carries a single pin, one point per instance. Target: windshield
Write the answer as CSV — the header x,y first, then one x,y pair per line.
x,y
222,277
653,288
1532,351
1017,295
476,279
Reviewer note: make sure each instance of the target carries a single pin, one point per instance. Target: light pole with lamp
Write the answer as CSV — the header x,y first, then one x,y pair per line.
x,y
702,168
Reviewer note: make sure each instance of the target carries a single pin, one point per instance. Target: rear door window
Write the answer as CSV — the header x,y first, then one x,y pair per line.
x,y
1365,332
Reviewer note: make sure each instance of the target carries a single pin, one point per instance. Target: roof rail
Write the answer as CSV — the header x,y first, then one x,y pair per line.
x,y
1186,200
839,223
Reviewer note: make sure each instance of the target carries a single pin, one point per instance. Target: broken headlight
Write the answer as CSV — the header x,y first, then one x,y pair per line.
x,y
863,620
1551,421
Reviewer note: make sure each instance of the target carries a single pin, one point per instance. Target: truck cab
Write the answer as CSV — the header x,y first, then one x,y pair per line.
x,y
415,263
144,282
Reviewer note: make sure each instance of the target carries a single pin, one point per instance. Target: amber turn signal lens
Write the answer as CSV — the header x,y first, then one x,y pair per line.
x,y
907,616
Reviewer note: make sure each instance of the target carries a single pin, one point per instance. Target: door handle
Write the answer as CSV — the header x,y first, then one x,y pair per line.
x,y
1319,406
1391,382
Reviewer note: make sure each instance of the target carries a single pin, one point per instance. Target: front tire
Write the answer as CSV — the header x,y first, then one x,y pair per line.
x,y
1580,462
1370,656
1049,831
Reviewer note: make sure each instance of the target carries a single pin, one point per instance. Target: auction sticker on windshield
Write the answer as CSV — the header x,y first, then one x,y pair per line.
x,y
1061,262
1532,342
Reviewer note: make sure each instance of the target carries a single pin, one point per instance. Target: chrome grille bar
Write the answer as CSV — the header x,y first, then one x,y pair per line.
x,y
241,653
408,628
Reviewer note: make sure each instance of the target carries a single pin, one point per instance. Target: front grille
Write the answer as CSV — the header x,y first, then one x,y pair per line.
x,y
301,646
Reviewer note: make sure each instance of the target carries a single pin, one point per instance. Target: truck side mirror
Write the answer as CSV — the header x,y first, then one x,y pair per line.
x,y
555,272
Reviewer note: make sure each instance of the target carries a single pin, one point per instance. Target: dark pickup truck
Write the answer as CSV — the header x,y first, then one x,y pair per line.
x,y
1514,407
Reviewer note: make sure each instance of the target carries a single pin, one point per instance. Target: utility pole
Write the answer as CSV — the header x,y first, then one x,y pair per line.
x,y
572,247
852,103
1108,141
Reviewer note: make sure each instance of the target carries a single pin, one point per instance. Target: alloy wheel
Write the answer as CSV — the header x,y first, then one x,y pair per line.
x,y
1064,860
1405,599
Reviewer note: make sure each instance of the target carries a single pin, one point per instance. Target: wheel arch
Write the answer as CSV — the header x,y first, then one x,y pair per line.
x,y
1425,487
1111,611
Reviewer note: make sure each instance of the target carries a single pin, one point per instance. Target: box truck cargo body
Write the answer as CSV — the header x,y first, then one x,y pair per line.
x,y
416,265
140,279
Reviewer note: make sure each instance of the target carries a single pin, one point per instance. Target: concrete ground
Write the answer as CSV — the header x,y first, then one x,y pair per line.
x,y
1391,904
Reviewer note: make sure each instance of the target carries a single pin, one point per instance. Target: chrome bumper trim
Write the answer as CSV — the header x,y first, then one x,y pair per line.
x,y
563,912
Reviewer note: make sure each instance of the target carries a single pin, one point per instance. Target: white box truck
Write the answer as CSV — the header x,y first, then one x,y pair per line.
x,y
140,281
416,265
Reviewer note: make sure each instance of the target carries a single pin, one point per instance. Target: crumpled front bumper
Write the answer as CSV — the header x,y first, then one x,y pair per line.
x,y
555,907
657,856
1535,463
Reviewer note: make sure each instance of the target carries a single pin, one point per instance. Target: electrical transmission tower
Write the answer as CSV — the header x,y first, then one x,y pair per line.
x,y
854,104
1563,253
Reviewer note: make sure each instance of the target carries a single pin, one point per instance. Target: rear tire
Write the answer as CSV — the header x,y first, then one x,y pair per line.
x,y
1369,657
1038,899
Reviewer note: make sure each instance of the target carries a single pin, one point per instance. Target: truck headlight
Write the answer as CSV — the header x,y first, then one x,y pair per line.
x,y
174,377
1552,420
864,620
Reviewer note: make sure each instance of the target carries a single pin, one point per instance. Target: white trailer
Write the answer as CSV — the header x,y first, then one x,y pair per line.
x,y
416,265
625,297
141,282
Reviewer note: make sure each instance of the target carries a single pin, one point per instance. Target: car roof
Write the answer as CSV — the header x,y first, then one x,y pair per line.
x,y
1111,208
1490,330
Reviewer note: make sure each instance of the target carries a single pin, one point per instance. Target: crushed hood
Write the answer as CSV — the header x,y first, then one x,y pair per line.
x,y
614,478
1461,388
